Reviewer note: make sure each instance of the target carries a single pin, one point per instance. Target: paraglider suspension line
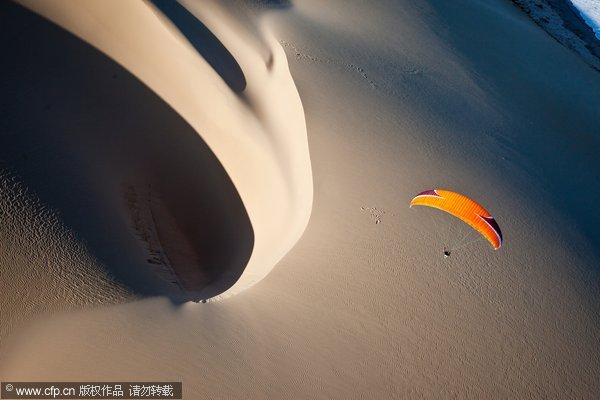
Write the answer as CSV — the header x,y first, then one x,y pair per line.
x,y
461,243
437,230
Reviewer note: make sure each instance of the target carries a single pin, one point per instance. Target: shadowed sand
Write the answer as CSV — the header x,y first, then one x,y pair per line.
x,y
126,173
398,97
262,148
207,44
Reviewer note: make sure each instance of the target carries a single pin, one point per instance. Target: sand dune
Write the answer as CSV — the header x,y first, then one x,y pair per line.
x,y
398,97
239,97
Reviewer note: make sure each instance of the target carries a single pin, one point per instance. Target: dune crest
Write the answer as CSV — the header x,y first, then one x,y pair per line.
x,y
256,130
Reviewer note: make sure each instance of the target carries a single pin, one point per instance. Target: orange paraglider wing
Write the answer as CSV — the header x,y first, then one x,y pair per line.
x,y
464,208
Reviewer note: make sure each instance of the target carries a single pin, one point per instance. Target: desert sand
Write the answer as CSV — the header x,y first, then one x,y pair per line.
x,y
153,154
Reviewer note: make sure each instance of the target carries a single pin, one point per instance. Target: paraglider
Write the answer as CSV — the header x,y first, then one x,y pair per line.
x,y
463,208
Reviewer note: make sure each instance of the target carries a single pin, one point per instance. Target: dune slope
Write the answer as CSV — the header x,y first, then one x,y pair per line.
x,y
399,97
212,225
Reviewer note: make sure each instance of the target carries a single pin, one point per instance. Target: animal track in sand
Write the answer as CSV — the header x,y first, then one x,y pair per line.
x,y
303,55
362,73
139,203
374,213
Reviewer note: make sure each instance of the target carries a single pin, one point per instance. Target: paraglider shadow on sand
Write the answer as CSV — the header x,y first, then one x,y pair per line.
x,y
125,172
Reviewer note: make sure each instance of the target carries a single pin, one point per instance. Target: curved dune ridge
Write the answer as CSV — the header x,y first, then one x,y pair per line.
x,y
122,145
217,189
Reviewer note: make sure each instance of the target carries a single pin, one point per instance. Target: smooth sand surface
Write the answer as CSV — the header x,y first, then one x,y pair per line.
x,y
397,98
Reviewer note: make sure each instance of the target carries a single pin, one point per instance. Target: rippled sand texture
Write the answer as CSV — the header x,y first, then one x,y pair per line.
x,y
398,97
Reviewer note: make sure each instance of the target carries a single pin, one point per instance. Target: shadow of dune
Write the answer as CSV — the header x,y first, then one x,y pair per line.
x,y
207,44
125,172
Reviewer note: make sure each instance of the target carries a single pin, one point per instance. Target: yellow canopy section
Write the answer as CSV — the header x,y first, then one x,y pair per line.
x,y
464,208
